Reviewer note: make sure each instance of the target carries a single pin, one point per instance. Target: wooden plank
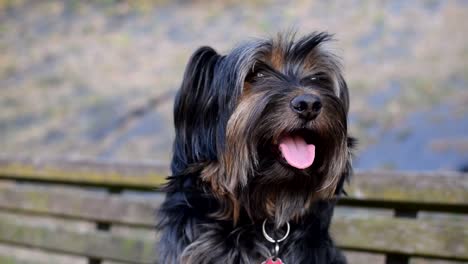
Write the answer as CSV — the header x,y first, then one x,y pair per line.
x,y
146,176
424,238
13,260
22,255
371,233
75,203
431,191
433,261
97,244
429,239
368,232
437,190
354,257
82,205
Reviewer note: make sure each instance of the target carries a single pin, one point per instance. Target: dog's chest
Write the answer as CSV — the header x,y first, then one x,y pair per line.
x,y
245,245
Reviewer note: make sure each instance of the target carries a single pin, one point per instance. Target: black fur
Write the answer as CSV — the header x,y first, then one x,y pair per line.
x,y
227,175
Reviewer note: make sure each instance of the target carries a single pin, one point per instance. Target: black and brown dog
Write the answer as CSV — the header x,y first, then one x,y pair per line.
x,y
261,152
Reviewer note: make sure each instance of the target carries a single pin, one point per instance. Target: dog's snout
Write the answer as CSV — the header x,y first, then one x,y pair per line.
x,y
307,106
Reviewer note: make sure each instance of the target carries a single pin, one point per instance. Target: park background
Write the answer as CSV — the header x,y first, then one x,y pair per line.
x,y
96,79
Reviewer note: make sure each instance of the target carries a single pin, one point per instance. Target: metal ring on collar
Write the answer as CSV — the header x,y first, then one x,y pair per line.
x,y
270,239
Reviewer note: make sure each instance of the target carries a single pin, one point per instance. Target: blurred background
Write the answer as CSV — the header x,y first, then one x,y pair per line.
x,y
96,79
87,89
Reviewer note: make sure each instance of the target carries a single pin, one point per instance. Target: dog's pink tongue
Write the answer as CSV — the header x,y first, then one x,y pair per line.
x,y
297,152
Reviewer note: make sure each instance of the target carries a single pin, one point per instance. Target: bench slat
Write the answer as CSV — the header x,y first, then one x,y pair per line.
x,y
447,191
82,205
97,245
12,260
378,235
10,254
446,239
86,172
433,261
416,237
435,188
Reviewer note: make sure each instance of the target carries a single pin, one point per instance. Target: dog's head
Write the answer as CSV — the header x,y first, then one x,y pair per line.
x,y
266,125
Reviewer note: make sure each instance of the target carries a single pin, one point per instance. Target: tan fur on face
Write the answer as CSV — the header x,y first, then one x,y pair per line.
x,y
277,58
278,51
237,161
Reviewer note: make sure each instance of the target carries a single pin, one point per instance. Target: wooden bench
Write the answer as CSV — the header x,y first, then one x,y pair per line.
x,y
85,211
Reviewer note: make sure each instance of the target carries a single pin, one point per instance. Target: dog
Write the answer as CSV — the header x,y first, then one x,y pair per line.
x,y
260,155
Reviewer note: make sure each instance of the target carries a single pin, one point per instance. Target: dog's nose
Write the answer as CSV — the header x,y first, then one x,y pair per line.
x,y
307,106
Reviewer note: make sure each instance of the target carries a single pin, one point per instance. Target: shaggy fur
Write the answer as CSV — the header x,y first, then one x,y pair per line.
x,y
228,174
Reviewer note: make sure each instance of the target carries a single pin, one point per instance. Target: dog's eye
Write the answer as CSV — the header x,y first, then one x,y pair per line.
x,y
320,79
255,76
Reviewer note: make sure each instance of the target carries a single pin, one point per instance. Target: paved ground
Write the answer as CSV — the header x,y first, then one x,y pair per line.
x,y
70,72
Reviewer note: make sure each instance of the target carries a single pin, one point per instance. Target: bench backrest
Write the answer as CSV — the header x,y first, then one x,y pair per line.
x,y
96,212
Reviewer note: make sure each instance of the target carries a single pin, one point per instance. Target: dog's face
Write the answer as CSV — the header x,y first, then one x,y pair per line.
x,y
265,124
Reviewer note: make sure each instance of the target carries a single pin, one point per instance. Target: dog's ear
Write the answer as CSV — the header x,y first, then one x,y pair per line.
x,y
194,116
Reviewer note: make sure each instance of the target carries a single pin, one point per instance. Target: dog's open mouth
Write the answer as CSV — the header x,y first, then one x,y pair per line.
x,y
297,149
